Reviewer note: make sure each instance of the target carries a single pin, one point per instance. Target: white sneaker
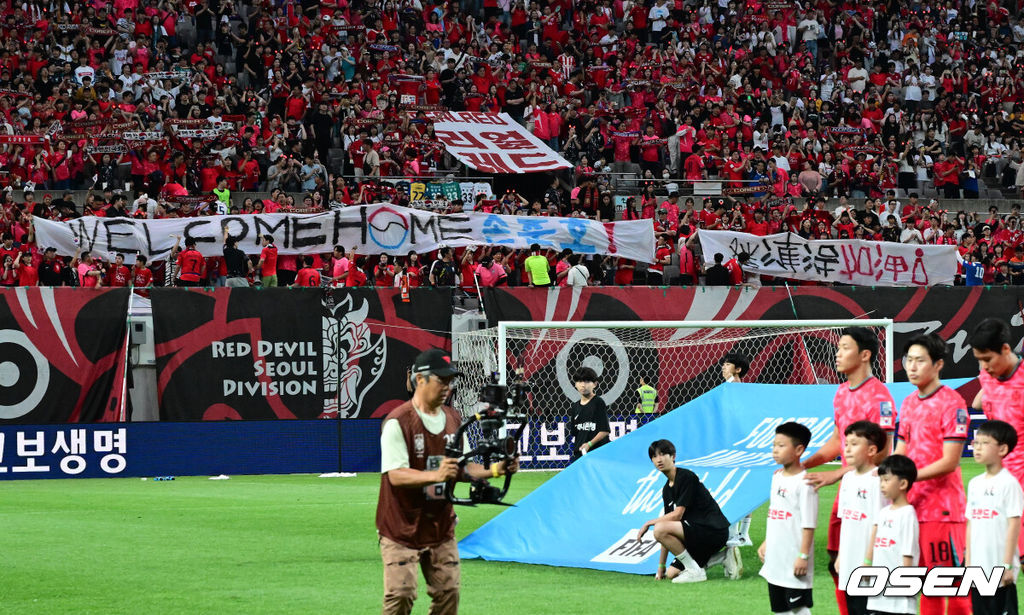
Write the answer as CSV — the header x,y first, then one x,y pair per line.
x,y
733,563
691,575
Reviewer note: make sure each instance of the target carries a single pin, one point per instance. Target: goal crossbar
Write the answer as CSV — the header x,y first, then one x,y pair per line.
x,y
504,327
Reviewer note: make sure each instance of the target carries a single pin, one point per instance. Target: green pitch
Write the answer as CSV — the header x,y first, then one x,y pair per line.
x,y
296,544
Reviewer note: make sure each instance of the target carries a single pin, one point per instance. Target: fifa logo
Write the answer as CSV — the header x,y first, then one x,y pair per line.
x,y
419,445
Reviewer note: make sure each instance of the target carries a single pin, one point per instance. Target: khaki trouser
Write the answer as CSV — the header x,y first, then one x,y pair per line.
x,y
440,566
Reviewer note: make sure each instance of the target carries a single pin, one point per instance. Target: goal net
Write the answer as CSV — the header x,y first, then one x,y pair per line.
x,y
681,360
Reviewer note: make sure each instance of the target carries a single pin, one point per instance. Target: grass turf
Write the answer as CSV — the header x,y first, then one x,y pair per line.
x,y
297,544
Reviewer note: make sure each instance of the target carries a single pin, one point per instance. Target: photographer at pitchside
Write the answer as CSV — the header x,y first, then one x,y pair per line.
x,y
415,520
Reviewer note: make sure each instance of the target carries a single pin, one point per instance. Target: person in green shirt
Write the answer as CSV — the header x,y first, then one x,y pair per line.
x,y
538,270
223,194
648,398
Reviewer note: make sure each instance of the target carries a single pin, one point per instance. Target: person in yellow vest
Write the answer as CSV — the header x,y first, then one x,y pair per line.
x,y
537,267
648,397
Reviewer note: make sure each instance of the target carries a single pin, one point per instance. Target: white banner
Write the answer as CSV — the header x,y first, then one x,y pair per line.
x,y
849,261
201,133
493,143
372,229
152,135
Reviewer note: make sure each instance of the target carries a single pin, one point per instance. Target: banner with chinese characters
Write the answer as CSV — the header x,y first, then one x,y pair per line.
x,y
281,353
724,437
62,354
493,143
849,261
371,229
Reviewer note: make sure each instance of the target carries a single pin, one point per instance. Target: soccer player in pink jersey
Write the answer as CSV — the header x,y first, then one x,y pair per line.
x,y
862,398
933,430
1002,387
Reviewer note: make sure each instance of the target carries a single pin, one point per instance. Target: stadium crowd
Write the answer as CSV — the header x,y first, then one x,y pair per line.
x,y
782,101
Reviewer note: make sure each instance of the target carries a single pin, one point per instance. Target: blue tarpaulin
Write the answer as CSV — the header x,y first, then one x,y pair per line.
x,y
588,515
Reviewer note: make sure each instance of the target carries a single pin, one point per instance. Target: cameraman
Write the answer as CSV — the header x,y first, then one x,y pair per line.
x,y
415,522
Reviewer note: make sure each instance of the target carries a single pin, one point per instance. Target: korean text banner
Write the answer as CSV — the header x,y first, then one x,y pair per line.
x,y
725,437
371,229
62,354
244,354
849,261
103,450
493,143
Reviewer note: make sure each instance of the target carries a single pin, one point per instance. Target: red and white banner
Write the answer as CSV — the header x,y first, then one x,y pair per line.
x,y
493,143
849,261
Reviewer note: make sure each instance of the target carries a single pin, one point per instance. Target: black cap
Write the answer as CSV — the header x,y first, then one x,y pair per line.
x,y
435,361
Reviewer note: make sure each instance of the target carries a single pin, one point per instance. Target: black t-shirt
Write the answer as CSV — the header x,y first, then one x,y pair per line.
x,y
51,273
701,508
716,275
234,261
868,219
587,420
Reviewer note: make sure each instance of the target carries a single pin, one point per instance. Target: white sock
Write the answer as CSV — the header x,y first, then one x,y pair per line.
x,y
744,528
802,611
689,562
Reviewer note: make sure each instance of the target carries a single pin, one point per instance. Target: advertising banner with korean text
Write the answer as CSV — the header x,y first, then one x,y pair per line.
x,y
371,229
493,143
62,354
244,353
725,437
849,261
102,450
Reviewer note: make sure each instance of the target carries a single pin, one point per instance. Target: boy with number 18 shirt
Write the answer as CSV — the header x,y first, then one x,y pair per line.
x,y
933,430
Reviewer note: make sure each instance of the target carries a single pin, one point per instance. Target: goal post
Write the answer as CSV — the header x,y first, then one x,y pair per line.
x,y
503,329
680,359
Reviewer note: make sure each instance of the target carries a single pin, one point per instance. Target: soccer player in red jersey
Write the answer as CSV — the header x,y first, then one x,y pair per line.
x,y
862,398
933,430
1002,386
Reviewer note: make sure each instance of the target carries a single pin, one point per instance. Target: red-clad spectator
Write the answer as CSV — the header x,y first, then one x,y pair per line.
x,y
118,275
308,276
384,272
28,274
190,263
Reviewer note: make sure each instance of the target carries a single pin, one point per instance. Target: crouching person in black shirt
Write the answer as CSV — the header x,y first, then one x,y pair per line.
x,y
590,426
693,527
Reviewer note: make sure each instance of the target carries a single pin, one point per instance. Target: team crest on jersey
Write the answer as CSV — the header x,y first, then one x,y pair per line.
x,y
781,492
862,494
885,414
962,421
990,491
419,445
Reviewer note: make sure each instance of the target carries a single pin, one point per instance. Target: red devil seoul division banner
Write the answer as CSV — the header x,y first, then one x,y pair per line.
x,y
246,353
